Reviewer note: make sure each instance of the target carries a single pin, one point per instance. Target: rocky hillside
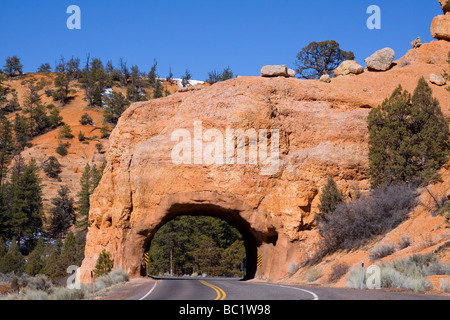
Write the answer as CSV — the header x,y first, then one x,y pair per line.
x,y
44,146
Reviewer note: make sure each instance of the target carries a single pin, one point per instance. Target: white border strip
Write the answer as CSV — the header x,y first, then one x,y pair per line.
x,y
315,296
151,290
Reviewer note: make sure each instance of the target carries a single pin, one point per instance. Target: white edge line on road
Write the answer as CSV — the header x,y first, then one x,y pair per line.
x,y
151,290
315,296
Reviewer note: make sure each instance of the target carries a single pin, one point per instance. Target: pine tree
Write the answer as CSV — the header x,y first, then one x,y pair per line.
x,y
185,78
114,108
158,92
13,260
27,208
69,254
54,119
104,263
6,146
35,261
22,133
408,138
53,268
13,66
329,199
62,214
83,199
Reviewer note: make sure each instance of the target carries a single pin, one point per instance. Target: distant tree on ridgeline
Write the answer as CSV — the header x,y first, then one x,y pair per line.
x,y
319,58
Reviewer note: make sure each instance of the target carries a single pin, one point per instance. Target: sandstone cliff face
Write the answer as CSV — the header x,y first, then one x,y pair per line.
x,y
322,131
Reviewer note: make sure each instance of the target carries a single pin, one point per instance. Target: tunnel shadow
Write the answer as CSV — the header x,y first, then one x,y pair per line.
x,y
252,239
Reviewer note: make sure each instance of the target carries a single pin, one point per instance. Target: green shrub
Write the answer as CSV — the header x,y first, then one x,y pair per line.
x,y
65,132
104,264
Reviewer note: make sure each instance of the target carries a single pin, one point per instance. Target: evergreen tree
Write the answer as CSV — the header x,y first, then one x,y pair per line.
x,y
2,248
408,138
62,81
54,119
12,261
52,167
319,58
13,66
53,268
35,262
97,96
329,199
6,146
114,107
158,92
207,257
62,214
83,199
104,263
152,76
185,78
69,254
86,119
65,132
27,208
61,149
21,130
44,68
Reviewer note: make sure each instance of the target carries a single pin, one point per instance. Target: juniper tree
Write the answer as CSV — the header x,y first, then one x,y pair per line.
x,y
408,137
44,68
319,58
52,167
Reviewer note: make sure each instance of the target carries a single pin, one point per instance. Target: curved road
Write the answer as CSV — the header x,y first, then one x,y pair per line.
x,y
234,289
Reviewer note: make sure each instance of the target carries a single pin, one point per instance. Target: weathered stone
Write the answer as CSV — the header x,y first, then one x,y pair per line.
x,y
440,27
380,60
274,71
325,78
291,73
437,80
445,5
348,67
416,43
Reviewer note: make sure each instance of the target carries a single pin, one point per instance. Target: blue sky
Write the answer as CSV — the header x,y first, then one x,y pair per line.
x,y
202,35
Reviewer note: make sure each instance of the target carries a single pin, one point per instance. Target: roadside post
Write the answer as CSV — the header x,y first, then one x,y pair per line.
x,y
362,274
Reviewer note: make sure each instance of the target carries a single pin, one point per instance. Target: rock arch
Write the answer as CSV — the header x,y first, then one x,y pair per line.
x,y
142,188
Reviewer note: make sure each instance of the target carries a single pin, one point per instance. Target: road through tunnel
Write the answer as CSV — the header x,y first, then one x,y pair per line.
x,y
251,237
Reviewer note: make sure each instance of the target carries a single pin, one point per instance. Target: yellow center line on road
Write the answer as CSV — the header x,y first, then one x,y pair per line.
x,y
220,293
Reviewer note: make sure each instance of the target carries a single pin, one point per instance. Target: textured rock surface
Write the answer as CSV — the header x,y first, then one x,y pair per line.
x,y
445,5
274,71
325,78
323,131
438,80
440,27
416,43
348,67
380,60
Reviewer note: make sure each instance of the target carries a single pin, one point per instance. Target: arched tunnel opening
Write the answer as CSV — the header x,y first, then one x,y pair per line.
x,y
251,238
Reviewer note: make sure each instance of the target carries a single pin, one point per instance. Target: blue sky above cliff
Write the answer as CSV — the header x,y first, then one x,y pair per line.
x,y
203,35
